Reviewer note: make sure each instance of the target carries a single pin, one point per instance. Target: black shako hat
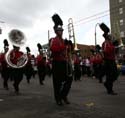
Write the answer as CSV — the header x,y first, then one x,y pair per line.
x,y
39,47
28,49
6,44
104,28
58,23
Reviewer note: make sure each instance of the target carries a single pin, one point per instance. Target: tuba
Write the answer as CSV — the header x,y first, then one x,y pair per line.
x,y
18,39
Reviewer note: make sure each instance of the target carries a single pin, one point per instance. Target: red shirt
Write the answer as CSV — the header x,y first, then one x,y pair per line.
x,y
29,60
3,61
58,49
40,61
109,50
93,59
15,56
98,59
76,60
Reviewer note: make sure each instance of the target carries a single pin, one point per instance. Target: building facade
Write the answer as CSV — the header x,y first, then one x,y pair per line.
x,y
117,18
85,50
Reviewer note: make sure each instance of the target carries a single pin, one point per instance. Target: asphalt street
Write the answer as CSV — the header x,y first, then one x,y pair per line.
x,y
88,100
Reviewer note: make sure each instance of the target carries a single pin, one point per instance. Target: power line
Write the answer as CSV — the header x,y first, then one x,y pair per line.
x,y
89,17
113,9
86,21
89,20
96,16
92,19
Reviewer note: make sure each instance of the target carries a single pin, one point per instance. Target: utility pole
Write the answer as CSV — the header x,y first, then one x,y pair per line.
x,y
0,30
48,35
48,50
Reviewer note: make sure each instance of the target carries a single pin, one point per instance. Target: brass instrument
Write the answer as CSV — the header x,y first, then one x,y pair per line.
x,y
117,41
17,39
72,33
21,61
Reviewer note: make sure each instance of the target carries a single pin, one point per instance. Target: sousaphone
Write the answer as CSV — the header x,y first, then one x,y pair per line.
x,y
18,39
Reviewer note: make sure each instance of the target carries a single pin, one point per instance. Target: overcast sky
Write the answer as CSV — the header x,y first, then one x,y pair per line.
x,y
33,17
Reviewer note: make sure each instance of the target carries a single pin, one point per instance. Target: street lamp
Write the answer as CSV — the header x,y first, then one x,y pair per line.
x,y
95,33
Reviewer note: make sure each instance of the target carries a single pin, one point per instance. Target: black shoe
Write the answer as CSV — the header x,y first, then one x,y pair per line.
x,y
28,81
59,103
14,86
66,101
6,88
105,85
17,92
41,83
112,93
100,81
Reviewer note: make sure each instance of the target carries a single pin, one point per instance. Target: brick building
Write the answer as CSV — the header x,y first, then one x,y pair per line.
x,y
85,49
117,18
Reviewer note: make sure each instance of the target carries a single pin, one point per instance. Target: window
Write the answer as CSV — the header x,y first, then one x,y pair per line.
x,y
120,10
121,22
122,34
120,1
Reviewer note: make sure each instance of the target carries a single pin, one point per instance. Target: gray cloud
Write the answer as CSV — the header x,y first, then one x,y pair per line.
x,y
22,12
25,14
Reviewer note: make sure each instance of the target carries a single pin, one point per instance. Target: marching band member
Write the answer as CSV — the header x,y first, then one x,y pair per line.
x,y
17,73
34,65
28,68
93,63
5,70
15,58
77,71
69,70
41,64
59,62
110,64
49,67
108,48
99,67
97,63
